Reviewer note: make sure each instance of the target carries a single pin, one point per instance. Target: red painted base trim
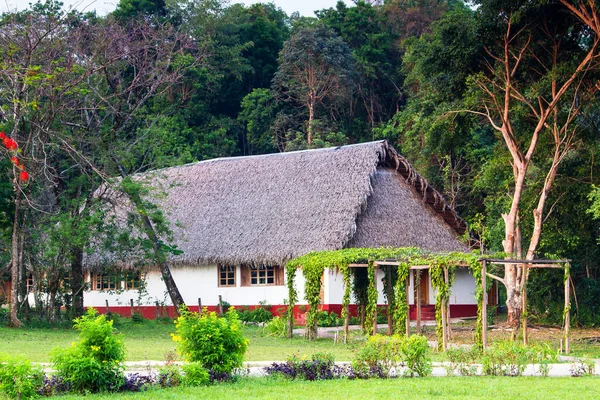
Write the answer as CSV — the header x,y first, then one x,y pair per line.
x,y
153,312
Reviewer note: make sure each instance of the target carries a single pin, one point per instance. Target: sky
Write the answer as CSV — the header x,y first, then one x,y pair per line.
x,y
304,7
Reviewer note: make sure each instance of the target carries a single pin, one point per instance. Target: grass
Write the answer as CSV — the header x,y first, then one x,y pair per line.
x,y
418,388
151,340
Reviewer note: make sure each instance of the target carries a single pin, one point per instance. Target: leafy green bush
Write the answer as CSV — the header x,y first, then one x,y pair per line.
x,y
462,361
195,375
169,376
217,343
328,319
93,364
18,378
382,354
276,327
415,354
260,314
511,358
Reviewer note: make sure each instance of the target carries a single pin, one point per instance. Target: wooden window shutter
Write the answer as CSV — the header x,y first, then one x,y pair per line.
x,y
245,275
280,276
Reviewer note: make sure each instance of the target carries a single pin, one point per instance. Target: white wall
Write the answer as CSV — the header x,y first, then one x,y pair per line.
x,y
195,282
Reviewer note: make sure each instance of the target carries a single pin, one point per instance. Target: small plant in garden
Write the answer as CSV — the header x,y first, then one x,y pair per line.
x,y
195,375
217,343
383,354
319,366
18,378
462,361
415,355
511,359
94,363
169,376
276,327
258,315
328,319
582,367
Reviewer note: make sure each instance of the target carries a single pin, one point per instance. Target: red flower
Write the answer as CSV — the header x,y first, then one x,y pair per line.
x,y
2,136
15,161
10,144
24,176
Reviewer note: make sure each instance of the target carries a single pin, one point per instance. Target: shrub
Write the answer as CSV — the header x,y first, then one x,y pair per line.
x,y
261,314
195,375
137,383
378,356
462,360
328,319
218,344
95,363
319,366
382,354
169,376
18,378
415,354
511,358
276,327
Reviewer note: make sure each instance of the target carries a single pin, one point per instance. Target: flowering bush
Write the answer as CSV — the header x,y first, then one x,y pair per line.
x,y
217,343
13,147
95,363
18,378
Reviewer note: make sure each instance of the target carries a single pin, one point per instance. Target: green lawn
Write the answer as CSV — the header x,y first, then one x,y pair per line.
x,y
418,388
151,340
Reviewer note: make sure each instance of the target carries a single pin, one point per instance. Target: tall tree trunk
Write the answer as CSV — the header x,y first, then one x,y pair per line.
x,y
15,265
159,255
311,117
77,283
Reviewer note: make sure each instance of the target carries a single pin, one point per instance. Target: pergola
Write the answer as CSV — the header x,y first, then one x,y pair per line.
x,y
477,266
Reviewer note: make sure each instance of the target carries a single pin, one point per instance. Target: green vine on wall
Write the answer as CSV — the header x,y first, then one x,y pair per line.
x,y
313,265
401,306
372,295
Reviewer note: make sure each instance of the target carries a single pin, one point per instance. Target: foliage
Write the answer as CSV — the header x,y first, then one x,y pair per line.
x,y
260,314
383,354
276,327
169,376
18,378
93,364
511,358
328,319
462,361
217,343
195,375
319,366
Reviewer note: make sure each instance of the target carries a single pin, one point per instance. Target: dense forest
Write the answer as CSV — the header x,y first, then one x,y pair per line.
x,y
494,102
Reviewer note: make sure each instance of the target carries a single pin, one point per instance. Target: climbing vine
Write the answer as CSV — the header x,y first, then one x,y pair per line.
x,y
347,290
313,265
372,296
290,272
401,307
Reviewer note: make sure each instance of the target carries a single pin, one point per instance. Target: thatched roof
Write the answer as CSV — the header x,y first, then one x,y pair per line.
x,y
271,208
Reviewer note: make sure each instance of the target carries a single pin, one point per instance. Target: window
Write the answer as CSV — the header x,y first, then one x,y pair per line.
x,y
133,280
262,275
29,283
106,282
226,276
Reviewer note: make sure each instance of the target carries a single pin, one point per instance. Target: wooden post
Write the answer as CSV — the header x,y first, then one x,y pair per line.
x,y
447,309
407,292
417,301
199,306
567,310
347,324
375,313
524,305
290,332
220,305
484,304
131,306
390,295
107,308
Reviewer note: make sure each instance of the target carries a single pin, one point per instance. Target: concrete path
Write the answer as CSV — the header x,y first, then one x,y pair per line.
x,y
256,368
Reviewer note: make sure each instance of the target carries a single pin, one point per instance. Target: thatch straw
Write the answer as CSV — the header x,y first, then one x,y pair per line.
x,y
271,208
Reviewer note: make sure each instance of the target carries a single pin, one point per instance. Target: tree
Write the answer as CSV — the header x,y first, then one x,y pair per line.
x,y
538,80
315,69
